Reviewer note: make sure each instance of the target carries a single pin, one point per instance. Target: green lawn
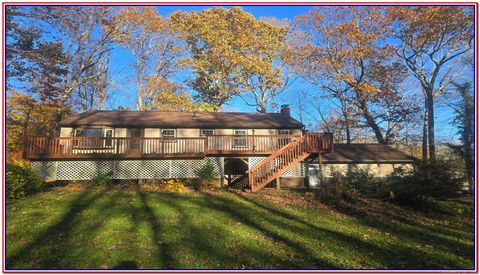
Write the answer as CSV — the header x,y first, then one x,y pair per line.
x,y
128,229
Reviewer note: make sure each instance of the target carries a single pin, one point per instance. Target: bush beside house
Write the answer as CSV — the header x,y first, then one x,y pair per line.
x,y
425,182
21,180
206,177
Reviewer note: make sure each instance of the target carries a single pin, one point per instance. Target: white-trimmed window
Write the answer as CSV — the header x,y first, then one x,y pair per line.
x,y
135,132
284,132
282,141
169,133
88,132
240,139
207,132
93,135
77,132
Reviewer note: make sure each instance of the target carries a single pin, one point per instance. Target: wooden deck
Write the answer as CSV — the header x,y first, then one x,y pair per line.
x,y
37,148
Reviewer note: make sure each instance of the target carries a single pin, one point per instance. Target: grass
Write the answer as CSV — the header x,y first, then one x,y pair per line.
x,y
96,228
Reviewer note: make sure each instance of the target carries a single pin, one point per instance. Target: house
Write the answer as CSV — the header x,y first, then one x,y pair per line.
x,y
246,149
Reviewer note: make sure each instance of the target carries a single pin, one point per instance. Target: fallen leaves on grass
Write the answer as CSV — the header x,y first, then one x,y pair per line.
x,y
283,197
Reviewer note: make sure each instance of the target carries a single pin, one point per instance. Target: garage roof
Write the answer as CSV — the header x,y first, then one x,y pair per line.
x,y
366,153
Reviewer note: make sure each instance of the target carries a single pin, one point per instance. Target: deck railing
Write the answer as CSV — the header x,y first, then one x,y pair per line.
x,y
265,144
83,147
122,147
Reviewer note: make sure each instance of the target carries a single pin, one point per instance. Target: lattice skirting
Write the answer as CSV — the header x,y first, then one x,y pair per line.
x,y
299,170
124,169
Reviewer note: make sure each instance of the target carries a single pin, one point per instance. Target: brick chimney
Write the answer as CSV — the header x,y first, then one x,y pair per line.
x,y
285,110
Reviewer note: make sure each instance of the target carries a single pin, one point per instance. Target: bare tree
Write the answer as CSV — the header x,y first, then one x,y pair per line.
x,y
345,52
147,36
86,44
432,40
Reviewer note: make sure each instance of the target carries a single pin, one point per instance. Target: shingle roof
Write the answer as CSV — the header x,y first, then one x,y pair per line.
x,y
182,120
365,153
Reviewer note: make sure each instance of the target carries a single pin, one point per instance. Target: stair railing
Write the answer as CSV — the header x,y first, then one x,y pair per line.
x,y
285,158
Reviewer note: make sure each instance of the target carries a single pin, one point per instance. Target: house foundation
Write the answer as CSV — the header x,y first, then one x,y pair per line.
x,y
124,169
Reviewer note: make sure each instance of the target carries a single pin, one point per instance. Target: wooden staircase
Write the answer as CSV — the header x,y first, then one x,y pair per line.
x,y
286,157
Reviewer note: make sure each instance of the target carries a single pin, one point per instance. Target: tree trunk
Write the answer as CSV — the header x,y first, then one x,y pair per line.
x,y
349,137
469,166
139,103
346,117
263,107
24,133
468,137
425,136
431,126
102,103
371,122
140,96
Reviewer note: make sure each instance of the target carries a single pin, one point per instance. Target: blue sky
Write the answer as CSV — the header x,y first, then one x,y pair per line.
x,y
121,57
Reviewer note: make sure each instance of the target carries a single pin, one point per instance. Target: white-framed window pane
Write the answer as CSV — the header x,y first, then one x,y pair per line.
x,y
240,142
89,133
93,132
240,139
168,133
284,132
135,132
207,132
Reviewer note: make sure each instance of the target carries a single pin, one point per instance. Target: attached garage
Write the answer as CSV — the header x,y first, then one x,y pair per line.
x,y
380,160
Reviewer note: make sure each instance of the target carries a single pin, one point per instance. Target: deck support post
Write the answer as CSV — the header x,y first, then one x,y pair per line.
x,y
320,168
222,179
277,183
306,178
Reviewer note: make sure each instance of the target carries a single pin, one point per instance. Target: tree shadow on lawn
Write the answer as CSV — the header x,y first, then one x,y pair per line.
x,y
59,246
301,236
51,235
207,241
126,265
195,241
425,237
420,231
414,258
164,252
74,241
374,209
213,242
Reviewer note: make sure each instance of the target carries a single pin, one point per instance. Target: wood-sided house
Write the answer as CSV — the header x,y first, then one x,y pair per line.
x,y
246,149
